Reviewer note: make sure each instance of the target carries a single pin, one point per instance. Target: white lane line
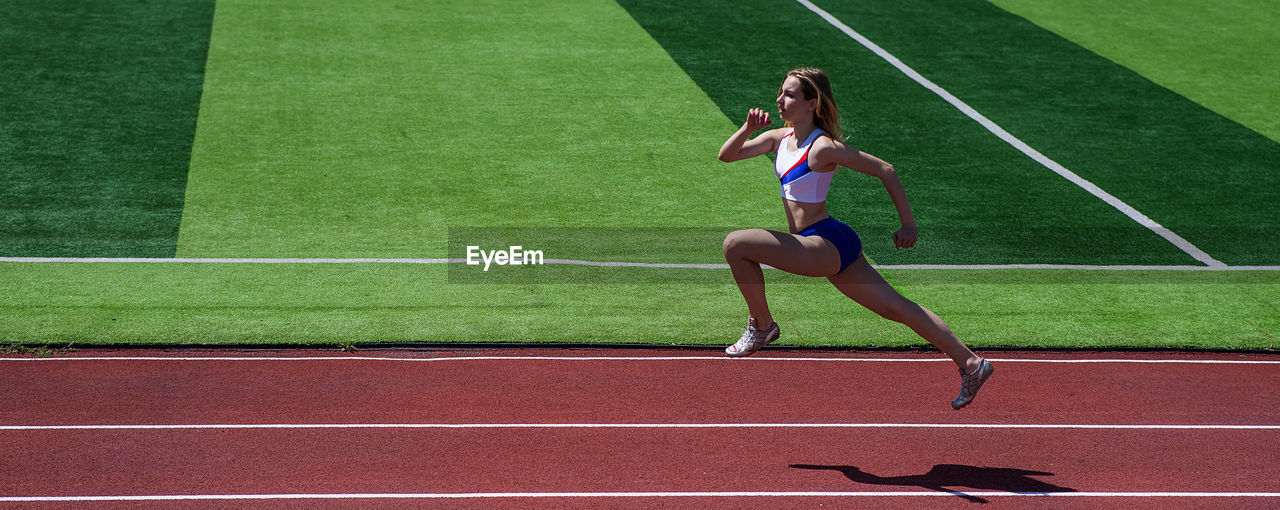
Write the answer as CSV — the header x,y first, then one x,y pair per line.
x,y
593,263
301,426
94,260
688,494
1092,188
725,359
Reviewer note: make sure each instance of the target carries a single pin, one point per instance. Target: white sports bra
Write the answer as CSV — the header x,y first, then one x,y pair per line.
x,y
799,182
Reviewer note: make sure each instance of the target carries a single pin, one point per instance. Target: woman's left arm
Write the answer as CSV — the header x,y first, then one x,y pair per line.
x,y
831,153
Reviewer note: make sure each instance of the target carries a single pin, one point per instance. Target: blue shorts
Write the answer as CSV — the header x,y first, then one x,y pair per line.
x,y
843,237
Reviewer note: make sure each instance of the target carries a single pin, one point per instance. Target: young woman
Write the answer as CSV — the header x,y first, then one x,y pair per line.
x,y
809,150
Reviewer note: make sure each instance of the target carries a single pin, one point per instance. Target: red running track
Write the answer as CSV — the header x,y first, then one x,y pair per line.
x,y
874,426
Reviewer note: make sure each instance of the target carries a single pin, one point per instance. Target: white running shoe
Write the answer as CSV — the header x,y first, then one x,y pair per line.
x,y
752,339
971,383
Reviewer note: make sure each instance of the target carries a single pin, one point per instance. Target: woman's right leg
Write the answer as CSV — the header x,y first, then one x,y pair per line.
x,y
745,250
863,284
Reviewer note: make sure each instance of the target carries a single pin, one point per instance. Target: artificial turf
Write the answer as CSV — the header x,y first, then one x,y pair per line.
x,y
1194,171
1224,55
332,304
976,199
98,105
369,129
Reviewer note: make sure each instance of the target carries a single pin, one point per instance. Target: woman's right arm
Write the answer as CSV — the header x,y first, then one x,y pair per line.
x,y
739,147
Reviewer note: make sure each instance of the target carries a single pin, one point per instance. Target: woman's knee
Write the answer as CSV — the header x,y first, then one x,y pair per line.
x,y
738,241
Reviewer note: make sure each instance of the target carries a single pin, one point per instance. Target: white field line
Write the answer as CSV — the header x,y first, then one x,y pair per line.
x,y
528,495
724,359
446,426
143,260
1092,188
593,263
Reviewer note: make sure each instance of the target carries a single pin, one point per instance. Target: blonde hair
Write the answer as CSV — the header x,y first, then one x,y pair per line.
x,y
814,84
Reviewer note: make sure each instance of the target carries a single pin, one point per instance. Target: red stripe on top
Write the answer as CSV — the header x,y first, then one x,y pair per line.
x,y
803,159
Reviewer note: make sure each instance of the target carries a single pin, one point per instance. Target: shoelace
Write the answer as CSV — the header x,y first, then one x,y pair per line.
x,y
759,336
748,337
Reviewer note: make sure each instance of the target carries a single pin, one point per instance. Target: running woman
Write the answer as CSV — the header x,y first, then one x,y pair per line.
x,y
810,148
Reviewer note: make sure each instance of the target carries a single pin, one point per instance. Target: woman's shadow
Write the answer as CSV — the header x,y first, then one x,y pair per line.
x,y
942,476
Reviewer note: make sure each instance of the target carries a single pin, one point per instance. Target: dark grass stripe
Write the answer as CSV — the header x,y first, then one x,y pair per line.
x,y
974,195
1206,177
98,104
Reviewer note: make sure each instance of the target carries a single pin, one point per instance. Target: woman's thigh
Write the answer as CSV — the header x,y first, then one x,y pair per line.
x,y
802,255
863,284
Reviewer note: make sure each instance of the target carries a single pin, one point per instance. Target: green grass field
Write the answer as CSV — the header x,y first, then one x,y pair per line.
x,y
1222,55
588,129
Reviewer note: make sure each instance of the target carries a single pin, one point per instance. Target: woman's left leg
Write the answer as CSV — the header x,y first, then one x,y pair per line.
x,y
745,250
863,284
